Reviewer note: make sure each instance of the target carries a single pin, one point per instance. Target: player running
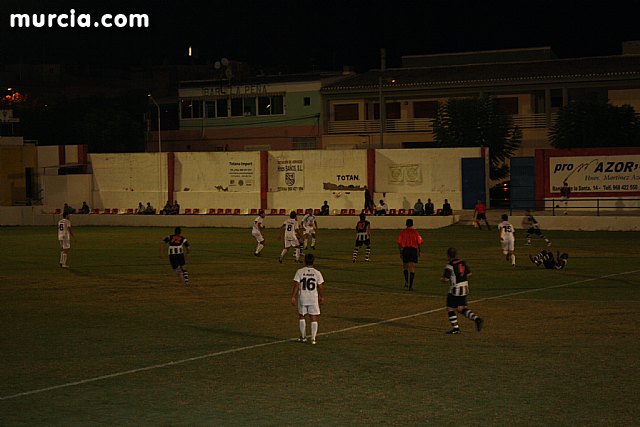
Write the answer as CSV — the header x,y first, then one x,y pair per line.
x,y
178,246
507,239
290,232
256,232
308,290
363,237
533,227
456,274
310,229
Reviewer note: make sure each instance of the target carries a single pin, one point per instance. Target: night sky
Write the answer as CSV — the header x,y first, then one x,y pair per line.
x,y
315,35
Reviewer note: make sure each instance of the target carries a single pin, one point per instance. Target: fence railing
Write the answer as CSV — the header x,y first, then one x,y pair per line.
x,y
627,206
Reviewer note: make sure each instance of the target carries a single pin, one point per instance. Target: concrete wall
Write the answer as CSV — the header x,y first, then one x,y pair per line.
x,y
124,180
317,176
71,189
439,176
13,161
217,180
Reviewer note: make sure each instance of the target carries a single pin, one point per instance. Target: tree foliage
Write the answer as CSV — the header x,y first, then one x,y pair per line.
x,y
478,122
594,122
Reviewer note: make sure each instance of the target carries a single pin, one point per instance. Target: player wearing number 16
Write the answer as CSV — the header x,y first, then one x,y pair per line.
x,y
308,291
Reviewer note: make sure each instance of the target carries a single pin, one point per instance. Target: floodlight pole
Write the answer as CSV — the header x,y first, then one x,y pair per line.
x,y
159,152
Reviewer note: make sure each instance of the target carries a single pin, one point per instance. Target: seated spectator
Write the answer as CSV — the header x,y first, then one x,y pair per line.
x,y
149,210
446,208
418,208
175,210
140,209
68,209
85,208
382,208
167,209
324,209
429,209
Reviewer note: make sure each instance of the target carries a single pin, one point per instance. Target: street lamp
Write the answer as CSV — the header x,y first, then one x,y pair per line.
x,y
159,151
158,108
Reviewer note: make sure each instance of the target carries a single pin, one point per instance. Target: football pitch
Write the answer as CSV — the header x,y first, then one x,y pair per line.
x,y
117,340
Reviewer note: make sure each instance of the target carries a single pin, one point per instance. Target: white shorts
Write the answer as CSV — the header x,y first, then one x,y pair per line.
x,y
65,243
291,243
309,231
258,236
313,309
507,246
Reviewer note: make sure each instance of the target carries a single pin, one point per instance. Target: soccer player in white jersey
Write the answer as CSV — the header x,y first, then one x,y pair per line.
x,y
256,232
507,239
64,237
310,228
456,275
308,290
290,231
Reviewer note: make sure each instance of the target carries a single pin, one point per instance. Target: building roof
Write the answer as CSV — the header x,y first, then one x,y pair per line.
x,y
607,68
267,79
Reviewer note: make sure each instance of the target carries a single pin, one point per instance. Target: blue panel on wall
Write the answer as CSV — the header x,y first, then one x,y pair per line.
x,y
523,182
473,182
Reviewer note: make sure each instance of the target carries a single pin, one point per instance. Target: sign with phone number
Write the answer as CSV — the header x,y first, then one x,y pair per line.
x,y
595,174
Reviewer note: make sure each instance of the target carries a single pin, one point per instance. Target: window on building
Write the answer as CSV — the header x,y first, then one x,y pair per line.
x,y
307,101
345,112
508,105
392,110
222,105
249,106
304,143
191,109
210,109
425,109
270,105
236,107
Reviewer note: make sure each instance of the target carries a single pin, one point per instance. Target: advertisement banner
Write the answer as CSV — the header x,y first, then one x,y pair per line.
x,y
595,174
290,175
405,174
241,176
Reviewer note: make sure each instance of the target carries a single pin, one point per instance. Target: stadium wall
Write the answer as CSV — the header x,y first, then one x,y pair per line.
x,y
269,180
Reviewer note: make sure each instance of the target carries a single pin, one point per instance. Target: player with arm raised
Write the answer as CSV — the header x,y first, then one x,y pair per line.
x,y
308,291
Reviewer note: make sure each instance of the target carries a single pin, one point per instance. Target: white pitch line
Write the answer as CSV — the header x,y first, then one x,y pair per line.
x,y
251,347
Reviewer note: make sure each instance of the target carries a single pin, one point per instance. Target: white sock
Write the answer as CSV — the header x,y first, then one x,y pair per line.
x,y
297,254
513,259
283,253
303,327
259,248
314,330
313,241
64,259
61,257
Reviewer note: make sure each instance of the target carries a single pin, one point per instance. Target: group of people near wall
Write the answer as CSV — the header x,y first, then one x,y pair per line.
x,y
171,208
70,210
146,210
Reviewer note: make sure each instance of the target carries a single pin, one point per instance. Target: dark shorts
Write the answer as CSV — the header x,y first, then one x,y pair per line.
x,y
176,260
409,255
481,216
455,301
535,231
363,242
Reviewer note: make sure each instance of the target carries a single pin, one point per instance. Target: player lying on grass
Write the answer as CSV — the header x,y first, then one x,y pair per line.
x,y
546,259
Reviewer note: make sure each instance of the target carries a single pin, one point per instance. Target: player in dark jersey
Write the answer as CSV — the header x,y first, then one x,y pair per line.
x,y
363,237
546,259
178,246
533,227
456,274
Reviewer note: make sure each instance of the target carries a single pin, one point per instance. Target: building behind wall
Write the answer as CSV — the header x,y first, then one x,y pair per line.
x,y
281,112
529,84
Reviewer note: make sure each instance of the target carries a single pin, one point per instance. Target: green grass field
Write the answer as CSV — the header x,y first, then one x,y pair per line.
x,y
116,340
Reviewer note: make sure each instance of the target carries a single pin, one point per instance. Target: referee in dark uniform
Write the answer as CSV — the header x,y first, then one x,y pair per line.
x,y
409,243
